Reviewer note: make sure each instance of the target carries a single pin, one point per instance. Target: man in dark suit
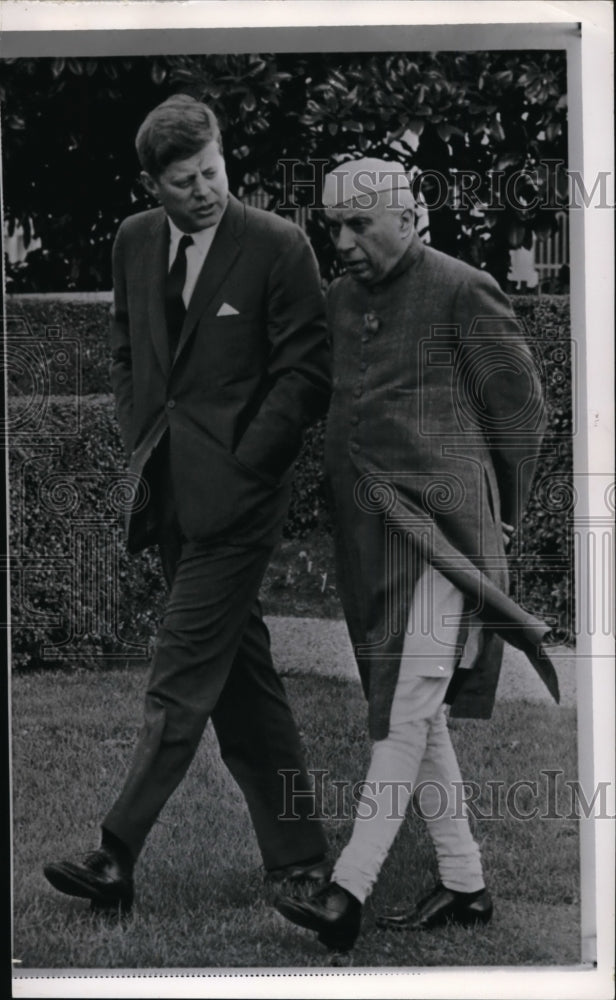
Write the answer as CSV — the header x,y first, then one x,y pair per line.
x,y
219,364
432,439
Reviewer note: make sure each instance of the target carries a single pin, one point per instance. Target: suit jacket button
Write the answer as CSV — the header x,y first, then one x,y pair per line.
x,y
355,447
170,404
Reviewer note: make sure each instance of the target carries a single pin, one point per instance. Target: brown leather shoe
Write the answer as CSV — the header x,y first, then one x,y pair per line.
x,y
439,907
99,877
333,912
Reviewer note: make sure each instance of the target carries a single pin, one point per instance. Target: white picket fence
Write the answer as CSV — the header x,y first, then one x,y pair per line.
x,y
552,251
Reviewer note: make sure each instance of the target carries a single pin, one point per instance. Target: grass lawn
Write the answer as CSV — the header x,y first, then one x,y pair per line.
x,y
201,901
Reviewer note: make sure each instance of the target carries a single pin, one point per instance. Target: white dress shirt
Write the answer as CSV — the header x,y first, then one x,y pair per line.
x,y
195,254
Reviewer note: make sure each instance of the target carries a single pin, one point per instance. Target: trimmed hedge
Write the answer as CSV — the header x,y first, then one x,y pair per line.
x,y
68,490
541,558
40,325
74,588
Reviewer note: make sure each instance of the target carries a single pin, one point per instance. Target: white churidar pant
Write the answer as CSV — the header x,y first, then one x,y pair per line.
x,y
417,754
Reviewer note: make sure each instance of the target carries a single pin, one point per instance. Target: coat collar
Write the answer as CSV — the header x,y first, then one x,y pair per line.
x,y
226,246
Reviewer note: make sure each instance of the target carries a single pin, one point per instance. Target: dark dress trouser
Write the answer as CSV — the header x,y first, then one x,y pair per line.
x,y
212,659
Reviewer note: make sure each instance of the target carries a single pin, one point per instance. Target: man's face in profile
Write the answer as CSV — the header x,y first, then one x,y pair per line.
x,y
369,241
194,191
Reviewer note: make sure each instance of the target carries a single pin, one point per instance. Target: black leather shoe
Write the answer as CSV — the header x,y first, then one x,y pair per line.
x,y
333,912
312,872
99,877
439,907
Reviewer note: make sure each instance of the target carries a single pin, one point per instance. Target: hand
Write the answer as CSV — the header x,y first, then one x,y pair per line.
x,y
508,530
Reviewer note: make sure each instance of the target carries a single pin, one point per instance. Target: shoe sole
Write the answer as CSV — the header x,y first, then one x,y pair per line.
x,y
71,884
312,923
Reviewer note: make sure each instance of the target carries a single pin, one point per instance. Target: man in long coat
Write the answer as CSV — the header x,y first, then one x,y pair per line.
x,y
220,361
432,437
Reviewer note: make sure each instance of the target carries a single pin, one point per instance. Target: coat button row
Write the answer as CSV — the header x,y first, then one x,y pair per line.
x,y
170,404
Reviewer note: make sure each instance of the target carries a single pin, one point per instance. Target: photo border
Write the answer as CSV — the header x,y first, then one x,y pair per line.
x,y
583,29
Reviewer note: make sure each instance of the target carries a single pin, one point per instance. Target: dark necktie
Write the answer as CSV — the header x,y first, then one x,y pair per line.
x,y
174,303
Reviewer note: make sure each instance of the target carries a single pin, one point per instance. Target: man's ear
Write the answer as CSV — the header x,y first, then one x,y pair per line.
x,y
149,184
407,222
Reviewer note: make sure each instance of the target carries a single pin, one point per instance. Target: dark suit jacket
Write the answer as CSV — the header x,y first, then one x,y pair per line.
x,y
241,388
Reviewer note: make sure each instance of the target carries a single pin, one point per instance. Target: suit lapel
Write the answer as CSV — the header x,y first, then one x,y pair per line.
x,y
221,257
156,263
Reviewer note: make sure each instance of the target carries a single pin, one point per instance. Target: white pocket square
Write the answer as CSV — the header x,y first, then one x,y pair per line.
x,y
227,310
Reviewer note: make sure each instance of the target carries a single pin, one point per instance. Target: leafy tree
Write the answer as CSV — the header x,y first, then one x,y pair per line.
x,y
70,166
473,113
69,161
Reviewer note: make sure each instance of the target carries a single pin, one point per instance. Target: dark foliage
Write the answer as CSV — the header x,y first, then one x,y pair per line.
x,y
42,326
71,172
542,553
74,589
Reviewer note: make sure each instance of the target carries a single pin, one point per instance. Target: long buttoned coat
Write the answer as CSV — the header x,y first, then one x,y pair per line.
x,y
432,437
